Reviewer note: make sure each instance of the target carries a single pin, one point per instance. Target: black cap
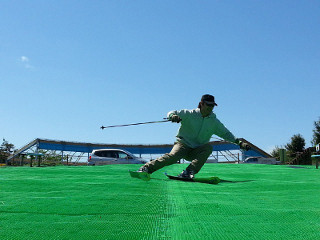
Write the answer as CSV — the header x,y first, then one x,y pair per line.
x,y
209,100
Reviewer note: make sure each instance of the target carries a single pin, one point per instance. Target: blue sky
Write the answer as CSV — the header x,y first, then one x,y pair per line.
x,y
68,67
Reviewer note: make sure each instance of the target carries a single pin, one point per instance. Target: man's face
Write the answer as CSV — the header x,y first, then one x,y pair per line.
x,y
206,110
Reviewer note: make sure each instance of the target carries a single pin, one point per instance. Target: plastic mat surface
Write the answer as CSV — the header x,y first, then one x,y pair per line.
x,y
104,202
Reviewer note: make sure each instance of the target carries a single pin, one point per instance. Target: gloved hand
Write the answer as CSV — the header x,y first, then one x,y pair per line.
x,y
175,118
244,146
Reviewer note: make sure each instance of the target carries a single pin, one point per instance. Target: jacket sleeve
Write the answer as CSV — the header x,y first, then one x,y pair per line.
x,y
224,133
183,114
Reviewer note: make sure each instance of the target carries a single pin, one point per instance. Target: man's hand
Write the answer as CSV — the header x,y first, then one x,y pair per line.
x,y
175,118
244,146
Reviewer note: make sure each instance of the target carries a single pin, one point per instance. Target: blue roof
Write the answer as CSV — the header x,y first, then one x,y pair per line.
x,y
135,149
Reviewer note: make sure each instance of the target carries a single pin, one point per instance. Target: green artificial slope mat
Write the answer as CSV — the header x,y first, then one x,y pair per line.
x,y
104,202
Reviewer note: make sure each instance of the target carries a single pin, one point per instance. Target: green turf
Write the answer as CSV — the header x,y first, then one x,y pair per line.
x,y
103,202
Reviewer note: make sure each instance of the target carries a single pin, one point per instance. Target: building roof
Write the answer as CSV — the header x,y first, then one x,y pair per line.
x,y
84,147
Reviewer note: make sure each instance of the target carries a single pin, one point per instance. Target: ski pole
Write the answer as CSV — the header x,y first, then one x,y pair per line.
x,y
133,124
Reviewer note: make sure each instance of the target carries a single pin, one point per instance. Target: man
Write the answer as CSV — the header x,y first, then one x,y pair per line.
x,y
197,127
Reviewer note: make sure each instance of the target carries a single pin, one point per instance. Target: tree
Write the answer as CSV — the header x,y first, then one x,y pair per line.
x,y
316,133
275,153
6,149
297,144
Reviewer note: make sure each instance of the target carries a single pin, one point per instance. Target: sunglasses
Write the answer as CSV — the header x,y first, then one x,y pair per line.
x,y
209,105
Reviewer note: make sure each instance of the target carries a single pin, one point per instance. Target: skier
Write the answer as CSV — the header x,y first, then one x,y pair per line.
x,y
192,142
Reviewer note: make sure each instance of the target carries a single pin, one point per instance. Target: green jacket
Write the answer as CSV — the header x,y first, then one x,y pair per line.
x,y
196,130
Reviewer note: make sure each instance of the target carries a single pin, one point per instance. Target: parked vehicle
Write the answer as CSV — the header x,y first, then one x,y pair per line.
x,y
261,160
113,156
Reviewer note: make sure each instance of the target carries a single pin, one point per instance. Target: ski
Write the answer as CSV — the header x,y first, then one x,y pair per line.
x,y
141,175
208,180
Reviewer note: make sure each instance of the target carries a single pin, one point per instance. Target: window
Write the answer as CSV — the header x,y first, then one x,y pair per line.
x,y
98,153
108,154
123,155
111,154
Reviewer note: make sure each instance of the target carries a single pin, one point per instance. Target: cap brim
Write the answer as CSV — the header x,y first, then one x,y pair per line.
x,y
212,104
